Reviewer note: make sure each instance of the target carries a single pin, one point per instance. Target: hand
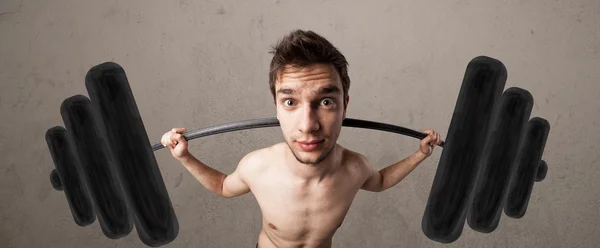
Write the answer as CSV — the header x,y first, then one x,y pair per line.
x,y
428,143
176,143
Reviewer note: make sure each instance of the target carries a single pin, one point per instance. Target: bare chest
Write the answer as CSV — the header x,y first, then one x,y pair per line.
x,y
296,210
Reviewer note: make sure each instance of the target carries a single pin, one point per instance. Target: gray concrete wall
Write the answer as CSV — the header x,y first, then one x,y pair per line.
x,y
199,63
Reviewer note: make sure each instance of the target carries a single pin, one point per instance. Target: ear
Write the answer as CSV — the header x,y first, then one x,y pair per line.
x,y
346,105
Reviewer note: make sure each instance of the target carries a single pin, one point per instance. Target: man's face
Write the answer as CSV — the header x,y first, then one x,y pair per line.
x,y
310,110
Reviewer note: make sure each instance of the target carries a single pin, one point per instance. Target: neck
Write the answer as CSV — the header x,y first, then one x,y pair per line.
x,y
313,172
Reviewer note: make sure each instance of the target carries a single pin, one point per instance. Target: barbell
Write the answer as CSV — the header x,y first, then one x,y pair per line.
x,y
105,165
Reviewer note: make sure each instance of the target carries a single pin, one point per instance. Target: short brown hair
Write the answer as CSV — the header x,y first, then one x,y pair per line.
x,y
300,48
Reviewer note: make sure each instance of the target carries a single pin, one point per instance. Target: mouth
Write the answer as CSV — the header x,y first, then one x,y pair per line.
x,y
310,145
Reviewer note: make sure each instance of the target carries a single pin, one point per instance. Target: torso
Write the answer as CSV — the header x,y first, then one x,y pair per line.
x,y
298,213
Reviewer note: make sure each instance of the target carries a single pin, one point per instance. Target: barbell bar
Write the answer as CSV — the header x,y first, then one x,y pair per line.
x,y
273,122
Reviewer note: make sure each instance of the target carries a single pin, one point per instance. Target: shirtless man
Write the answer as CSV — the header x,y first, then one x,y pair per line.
x,y
304,185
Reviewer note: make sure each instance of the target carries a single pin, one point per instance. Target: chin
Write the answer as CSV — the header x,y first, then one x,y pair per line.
x,y
311,161
310,157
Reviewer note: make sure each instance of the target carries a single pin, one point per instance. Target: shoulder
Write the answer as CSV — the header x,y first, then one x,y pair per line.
x,y
257,159
253,158
351,156
356,160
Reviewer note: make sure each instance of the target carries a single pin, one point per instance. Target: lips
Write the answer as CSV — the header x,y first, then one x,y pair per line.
x,y
310,145
310,142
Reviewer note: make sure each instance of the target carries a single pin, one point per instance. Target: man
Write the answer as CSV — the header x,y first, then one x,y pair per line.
x,y
305,185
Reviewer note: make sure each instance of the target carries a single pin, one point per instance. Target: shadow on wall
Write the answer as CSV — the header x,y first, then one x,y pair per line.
x,y
104,160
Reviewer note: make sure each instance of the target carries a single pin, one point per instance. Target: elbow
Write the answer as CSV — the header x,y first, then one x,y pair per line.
x,y
220,193
227,194
381,186
224,194
220,189
376,187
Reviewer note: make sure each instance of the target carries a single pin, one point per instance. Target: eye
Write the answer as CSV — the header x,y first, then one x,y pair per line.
x,y
288,102
326,101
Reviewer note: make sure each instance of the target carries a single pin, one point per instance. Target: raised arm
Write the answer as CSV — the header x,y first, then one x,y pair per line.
x,y
223,185
235,184
387,177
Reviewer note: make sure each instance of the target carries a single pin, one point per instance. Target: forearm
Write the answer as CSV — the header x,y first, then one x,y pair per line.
x,y
210,178
393,174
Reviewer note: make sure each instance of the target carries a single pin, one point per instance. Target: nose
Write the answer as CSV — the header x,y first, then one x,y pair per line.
x,y
309,121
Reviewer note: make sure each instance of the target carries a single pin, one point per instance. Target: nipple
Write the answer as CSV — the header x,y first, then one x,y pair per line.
x,y
272,226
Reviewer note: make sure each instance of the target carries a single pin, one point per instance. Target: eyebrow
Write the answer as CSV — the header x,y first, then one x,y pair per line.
x,y
321,91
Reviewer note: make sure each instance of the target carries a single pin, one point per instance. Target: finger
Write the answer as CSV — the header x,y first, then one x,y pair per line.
x,y
433,140
427,131
178,130
164,140
427,140
171,140
179,138
433,136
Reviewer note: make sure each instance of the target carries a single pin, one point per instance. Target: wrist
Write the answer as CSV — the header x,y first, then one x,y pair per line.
x,y
186,158
419,155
